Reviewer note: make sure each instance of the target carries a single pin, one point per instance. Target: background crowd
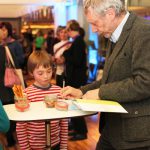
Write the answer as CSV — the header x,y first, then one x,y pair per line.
x,y
68,50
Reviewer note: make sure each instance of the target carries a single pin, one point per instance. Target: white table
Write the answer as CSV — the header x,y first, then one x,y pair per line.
x,y
38,111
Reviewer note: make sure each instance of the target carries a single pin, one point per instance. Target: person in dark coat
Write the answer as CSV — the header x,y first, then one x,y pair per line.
x,y
51,40
76,67
6,93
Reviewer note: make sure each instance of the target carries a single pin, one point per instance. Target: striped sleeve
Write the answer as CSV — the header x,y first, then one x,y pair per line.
x,y
63,134
21,130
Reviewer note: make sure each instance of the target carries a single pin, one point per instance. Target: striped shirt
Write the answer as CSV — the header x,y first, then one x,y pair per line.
x,y
31,135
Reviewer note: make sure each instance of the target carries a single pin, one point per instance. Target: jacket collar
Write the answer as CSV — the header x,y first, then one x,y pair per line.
x,y
122,39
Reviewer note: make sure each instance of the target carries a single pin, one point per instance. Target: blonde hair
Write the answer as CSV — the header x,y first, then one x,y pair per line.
x,y
59,29
39,58
100,6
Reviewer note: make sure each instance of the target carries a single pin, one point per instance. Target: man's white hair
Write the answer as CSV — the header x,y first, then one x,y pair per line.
x,y
100,6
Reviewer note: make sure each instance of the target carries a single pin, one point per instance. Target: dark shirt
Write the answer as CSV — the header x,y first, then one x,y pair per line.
x,y
76,67
17,52
6,94
50,44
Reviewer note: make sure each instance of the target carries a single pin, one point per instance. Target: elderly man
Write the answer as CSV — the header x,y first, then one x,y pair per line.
x,y
126,77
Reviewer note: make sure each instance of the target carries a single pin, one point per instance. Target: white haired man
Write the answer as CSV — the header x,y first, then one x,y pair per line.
x,y
126,76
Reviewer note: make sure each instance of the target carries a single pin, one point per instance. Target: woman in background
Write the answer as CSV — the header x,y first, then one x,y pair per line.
x,y
59,49
76,68
6,93
14,45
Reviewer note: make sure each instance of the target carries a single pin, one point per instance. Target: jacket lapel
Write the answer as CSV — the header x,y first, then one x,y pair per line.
x,y
123,37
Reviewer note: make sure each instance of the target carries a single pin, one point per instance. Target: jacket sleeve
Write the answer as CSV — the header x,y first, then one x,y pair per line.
x,y
92,86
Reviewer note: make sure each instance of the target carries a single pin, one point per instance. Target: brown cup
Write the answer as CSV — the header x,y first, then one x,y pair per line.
x,y
50,100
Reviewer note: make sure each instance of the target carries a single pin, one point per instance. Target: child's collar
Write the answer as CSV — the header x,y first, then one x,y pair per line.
x,y
42,88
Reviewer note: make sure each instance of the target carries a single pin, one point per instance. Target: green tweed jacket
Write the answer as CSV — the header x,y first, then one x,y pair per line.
x,y
126,79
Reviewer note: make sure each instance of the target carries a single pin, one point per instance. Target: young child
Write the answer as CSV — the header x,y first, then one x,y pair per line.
x,y
31,135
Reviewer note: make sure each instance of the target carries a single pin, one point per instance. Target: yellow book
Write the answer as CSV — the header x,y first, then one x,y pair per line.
x,y
99,105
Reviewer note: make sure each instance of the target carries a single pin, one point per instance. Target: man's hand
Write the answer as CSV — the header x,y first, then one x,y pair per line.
x,y
92,94
69,92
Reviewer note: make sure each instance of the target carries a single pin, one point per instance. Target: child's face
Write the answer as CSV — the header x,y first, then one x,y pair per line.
x,y
42,76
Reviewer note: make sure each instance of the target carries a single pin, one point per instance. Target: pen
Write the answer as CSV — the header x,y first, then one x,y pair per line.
x,y
63,83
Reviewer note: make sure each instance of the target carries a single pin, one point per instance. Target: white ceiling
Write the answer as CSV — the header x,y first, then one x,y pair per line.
x,y
17,8
14,11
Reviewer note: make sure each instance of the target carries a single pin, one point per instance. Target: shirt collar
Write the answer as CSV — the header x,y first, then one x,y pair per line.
x,y
42,88
116,34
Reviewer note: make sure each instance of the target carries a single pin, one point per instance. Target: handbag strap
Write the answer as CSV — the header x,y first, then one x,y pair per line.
x,y
19,73
9,56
